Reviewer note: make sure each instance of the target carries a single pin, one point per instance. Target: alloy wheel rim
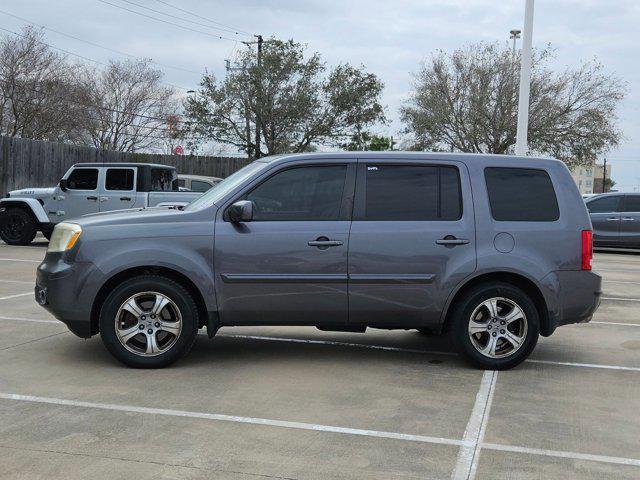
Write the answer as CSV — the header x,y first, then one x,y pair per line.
x,y
497,327
148,324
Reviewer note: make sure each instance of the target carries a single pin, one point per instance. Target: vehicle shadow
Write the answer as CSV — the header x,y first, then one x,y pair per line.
x,y
226,351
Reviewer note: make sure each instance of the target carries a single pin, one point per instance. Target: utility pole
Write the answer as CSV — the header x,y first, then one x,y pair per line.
x,y
604,176
514,35
258,92
525,81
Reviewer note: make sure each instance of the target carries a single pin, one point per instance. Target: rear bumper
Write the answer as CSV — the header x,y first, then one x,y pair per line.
x,y
65,290
578,297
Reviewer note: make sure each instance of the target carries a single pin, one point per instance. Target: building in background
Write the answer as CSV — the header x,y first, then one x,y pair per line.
x,y
598,177
589,178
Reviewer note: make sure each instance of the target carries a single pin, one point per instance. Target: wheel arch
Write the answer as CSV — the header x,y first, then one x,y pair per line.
x,y
123,275
32,205
523,282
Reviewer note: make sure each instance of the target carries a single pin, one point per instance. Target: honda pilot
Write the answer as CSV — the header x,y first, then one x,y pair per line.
x,y
491,249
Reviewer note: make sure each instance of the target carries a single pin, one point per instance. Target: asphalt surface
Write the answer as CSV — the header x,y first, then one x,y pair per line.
x,y
297,403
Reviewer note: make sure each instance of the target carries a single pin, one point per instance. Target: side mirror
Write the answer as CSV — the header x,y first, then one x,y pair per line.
x,y
63,185
241,211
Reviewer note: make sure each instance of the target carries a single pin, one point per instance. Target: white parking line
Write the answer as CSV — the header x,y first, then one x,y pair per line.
x,y
19,260
410,350
618,323
365,346
233,418
36,320
474,433
561,454
323,428
620,281
17,281
8,297
622,299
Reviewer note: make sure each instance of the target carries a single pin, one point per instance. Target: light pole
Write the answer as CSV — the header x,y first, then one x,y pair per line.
x,y
525,81
514,35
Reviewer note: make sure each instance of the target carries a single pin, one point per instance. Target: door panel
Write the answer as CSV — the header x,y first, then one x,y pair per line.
x,y
289,265
118,189
630,221
82,193
401,272
605,219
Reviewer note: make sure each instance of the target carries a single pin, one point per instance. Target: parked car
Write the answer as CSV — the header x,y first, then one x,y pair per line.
x,y
616,219
197,183
87,188
492,250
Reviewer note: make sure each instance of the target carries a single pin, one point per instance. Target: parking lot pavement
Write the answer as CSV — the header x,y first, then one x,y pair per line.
x,y
301,403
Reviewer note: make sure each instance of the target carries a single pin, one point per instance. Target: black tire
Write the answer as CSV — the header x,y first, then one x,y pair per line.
x,y
176,293
17,226
472,300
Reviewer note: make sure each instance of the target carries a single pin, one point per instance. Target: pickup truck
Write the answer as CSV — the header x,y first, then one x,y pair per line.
x,y
88,188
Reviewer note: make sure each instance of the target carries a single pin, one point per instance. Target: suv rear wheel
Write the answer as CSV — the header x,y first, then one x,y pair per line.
x,y
17,227
495,326
149,321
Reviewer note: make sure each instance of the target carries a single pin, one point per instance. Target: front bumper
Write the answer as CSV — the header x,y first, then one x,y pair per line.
x,y
65,290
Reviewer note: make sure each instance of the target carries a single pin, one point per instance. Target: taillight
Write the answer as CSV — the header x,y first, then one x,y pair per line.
x,y
587,249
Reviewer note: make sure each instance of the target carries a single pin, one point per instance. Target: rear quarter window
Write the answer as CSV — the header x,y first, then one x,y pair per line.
x,y
521,195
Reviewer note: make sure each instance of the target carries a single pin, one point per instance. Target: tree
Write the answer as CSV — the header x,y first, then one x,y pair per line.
x,y
367,141
129,107
38,89
467,101
299,102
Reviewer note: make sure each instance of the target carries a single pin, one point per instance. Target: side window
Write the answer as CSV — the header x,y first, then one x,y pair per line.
x,y
407,192
632,203
83,179
119,179
163,180
303,193
604,205
521,195
199,186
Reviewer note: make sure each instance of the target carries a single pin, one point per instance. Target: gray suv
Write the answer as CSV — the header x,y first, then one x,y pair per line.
x,y
493,250
616,219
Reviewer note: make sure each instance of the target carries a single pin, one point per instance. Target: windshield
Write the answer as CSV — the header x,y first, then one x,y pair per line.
x,y
225,186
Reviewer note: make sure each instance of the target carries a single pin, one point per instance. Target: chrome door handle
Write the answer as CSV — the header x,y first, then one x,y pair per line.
x,y
452,241
93,198
324,242
125,199
612,219
627,219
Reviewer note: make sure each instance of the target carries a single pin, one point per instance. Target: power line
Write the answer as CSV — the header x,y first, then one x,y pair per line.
x,y
169,23
225,29
203,18
96,44
100,107
76,54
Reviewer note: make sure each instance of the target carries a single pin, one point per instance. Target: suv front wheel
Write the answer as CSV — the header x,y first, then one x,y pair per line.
x,y
495,326
149,321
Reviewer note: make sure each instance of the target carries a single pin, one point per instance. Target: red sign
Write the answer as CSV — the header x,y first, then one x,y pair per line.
x,y
178,150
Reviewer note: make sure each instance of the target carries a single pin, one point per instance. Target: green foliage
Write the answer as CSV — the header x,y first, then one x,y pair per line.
x,y
299,102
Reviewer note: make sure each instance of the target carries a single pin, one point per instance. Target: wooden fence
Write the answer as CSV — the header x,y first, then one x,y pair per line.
x,y
33,163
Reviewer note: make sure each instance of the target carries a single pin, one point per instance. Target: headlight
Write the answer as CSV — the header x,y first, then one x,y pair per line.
x,y
64,237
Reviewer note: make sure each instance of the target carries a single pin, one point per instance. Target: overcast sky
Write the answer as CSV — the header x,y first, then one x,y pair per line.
x,y
390,38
